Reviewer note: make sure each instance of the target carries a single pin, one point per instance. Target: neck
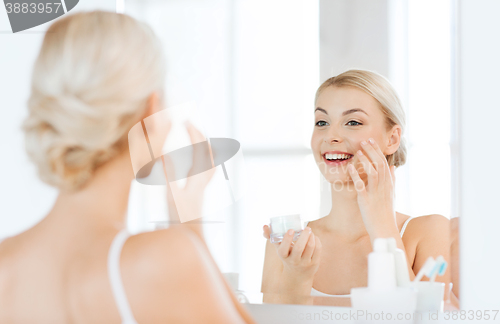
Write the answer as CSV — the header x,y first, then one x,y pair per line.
x,y
101,203
345,215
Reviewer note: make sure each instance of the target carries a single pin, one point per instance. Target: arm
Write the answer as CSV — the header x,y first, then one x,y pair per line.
x,y
189,200
169,273
288,272
272,284
433,234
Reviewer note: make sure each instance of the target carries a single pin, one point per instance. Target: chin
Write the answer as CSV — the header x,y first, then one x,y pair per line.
x,y
337,178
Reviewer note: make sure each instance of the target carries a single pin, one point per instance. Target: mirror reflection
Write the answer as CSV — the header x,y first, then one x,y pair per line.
x,y
329,76
339,185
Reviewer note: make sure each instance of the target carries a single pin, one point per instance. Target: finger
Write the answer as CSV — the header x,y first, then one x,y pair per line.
x,y
300,244
368,166
372,174
202,152
194,133
317,250
169,171
359,185
267,232
308,251
167,128
382,165
200,182
146,169
372,150
376,148
284,246
202,159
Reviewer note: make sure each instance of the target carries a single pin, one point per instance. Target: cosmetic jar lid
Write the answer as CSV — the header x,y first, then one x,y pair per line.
x,y
281,224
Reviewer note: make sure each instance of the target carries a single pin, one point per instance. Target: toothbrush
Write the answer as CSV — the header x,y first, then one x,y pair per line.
x,y
426,269
435,268
440,268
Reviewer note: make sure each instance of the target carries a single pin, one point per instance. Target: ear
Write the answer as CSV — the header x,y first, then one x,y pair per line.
x,y
393,140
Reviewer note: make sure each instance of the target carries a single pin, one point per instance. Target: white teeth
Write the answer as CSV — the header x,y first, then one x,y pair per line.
x,y
337,156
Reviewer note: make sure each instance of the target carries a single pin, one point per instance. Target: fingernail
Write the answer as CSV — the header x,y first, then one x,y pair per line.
x,y
308,229
363,143
290,232
360,153
371,141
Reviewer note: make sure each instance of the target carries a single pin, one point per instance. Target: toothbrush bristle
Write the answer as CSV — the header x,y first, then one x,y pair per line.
x,y
442,268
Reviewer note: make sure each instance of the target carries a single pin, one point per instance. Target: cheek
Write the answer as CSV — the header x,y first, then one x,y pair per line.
x,y
315,141
354,145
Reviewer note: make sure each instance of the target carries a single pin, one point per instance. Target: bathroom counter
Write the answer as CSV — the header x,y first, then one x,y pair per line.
x,y
321,310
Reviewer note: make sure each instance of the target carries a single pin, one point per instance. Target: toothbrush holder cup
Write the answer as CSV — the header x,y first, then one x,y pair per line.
x,y
430,295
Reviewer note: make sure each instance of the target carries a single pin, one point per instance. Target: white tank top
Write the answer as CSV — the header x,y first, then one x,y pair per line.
x,y
116,280
315,292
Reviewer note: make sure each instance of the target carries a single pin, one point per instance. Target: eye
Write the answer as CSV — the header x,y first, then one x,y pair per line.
x,y
353,121
321,123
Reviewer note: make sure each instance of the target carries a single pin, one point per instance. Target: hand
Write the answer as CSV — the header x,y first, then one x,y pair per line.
x,y
190,198
376,198
300,259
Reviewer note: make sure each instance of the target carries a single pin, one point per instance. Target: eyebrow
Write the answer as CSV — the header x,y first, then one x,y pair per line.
x,y
347,112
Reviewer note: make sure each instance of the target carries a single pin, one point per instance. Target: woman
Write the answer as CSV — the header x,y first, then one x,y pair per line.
x,y
357,143
98,74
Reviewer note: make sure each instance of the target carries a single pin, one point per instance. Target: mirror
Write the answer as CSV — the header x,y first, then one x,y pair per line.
x,y
253,68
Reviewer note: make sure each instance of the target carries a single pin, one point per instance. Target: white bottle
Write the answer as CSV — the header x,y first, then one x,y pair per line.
x,y
381,269
402,275
382,293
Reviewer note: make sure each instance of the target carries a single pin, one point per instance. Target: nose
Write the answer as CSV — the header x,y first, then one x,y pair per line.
x,y
332,136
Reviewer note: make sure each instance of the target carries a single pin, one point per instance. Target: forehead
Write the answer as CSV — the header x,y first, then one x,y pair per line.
x,y
337,99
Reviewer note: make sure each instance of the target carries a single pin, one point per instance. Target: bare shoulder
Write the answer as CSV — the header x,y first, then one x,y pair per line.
x,y
168,272
422,227
430,223
160,259
431,229
160,246
422,221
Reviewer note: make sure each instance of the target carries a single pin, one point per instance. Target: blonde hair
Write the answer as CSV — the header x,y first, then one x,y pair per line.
x,y
379,88
91,83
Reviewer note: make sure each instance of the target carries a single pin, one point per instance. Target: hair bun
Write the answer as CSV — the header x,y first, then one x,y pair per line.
x,y
83,103
61,160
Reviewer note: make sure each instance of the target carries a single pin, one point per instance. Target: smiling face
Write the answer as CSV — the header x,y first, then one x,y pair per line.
x,y
344,117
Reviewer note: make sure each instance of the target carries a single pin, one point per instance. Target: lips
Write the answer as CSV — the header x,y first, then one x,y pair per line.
x,y
337,162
